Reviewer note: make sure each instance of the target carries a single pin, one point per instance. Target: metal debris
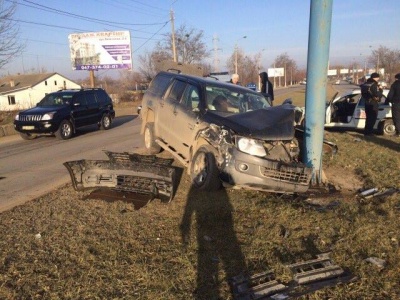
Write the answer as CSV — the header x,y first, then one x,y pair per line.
x,y
257,286
375,192
316,269
308,276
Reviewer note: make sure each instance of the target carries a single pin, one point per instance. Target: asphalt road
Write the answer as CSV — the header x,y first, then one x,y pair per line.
x,y
29,169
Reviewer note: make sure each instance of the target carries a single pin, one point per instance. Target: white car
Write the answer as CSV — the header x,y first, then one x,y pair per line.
x,y
348,112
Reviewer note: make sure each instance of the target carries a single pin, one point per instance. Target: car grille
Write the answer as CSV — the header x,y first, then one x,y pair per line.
x,y
287,173
30,117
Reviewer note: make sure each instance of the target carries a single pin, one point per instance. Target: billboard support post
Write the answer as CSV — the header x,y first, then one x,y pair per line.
x,y
92,81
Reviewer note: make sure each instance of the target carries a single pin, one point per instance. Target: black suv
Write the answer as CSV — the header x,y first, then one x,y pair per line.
x,y
61,112
224,133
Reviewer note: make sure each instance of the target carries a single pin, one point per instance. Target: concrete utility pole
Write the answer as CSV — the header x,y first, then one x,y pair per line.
x,y
173,34
236,53
216,49
317,68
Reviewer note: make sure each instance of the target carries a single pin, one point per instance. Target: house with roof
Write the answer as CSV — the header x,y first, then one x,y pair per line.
x,y
24,91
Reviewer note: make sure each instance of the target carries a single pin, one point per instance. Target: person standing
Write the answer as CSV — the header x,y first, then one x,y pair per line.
x,y
266,86
394,98
372,94
235,79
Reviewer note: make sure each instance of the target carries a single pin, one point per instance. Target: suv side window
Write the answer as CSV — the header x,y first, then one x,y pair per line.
x,y
90,98
176,91
80,98
159,84
102,97
191,97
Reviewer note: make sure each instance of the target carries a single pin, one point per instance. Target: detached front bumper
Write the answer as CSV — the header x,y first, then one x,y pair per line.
x,y
143,174
242,170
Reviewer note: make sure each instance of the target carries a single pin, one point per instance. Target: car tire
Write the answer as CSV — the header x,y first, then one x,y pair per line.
x,y
105,122
149,140
204,172
65,130
27,136
387,127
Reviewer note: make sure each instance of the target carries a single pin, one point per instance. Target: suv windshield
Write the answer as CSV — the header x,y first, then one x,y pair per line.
x,y
56,99
233,100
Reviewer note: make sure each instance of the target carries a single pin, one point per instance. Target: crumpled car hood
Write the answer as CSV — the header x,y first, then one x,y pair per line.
x,y
273,123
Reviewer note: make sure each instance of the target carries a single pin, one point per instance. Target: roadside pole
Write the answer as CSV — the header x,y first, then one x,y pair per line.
x,y
317,70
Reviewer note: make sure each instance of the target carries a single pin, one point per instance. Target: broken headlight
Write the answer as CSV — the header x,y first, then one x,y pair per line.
x,y
250,146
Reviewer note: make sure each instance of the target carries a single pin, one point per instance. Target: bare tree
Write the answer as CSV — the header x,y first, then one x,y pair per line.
x,y
149,63
10,47
247,66
387,59
284,61
189,46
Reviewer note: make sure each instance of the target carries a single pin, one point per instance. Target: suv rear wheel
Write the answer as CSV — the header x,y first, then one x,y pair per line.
x,y
203,170
105,122
65,130
149,141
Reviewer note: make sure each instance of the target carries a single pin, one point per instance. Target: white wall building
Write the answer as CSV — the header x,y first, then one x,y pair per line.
x,y
24,91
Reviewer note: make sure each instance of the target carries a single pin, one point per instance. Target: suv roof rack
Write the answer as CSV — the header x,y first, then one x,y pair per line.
x,y
174,71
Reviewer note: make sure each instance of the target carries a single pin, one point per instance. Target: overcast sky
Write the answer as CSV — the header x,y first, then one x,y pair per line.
x,y
271,27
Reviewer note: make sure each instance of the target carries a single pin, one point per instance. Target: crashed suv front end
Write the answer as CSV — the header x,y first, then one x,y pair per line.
x,y
264,156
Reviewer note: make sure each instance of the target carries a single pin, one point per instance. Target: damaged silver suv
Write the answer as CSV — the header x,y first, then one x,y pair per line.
x,y
224,134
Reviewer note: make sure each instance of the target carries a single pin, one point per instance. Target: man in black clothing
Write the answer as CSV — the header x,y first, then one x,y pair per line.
x,y
394,98
372,94
266,86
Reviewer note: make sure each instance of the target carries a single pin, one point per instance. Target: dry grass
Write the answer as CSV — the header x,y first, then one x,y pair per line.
x,y
187,249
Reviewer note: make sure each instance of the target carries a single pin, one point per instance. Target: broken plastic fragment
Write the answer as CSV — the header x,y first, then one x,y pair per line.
x,y
376,261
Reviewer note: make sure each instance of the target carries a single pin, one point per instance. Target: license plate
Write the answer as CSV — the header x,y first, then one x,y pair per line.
x,y
28,127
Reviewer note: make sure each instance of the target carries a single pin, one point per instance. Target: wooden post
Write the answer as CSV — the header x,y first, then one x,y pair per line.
x,y
91,74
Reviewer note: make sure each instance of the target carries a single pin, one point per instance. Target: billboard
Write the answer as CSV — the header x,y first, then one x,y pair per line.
x,y
100,50
276,72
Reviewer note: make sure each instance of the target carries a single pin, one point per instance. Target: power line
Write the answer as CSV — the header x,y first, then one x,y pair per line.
x,y
65,13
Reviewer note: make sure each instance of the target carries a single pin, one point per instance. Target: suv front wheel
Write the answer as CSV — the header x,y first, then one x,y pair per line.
x,y
149,141
105,122
27,136
204,171
65,130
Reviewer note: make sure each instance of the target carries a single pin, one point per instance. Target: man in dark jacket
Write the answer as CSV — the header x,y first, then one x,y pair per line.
x,y
394,98
266,86
372,94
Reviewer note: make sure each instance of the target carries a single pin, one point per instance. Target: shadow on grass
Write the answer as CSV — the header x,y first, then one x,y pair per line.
x,y
217,244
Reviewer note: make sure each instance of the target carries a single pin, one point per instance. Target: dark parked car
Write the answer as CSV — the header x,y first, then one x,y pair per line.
x,y
223,133
61,112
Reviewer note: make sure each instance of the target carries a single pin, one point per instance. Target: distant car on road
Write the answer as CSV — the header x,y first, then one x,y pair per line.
x,y
61,113
348,112
303,82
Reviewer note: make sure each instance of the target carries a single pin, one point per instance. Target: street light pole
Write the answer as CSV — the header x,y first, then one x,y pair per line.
x,y
236,53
